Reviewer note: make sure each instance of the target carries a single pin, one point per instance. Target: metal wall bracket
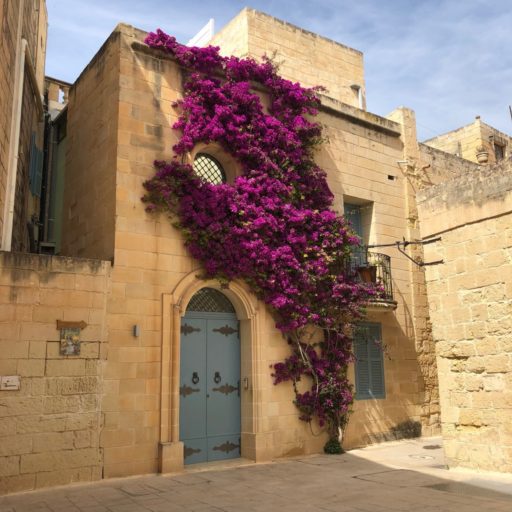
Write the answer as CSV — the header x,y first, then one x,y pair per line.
x,y
405,243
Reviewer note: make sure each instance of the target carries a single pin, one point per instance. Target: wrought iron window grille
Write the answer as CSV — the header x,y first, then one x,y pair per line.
x,y
210,300
209,169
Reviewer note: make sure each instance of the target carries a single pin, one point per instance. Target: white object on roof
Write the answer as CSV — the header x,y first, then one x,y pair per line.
x,y
204,35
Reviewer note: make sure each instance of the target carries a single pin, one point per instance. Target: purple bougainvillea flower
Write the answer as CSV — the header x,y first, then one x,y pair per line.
x,y
274,226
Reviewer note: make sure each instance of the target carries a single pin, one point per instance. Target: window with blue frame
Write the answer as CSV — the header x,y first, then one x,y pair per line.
x,y
369,362
353,213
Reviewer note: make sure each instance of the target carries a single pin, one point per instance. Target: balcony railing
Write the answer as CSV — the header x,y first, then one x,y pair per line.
x,y
374,267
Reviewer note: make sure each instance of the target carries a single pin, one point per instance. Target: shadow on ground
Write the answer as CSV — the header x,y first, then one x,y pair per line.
x,y
341,483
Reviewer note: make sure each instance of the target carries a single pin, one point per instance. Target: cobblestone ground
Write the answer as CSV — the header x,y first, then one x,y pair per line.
x,y
341,483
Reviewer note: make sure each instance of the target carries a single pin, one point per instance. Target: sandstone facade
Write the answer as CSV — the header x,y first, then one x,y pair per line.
x,y
470,306
49,429
302,56
477,142
153,277
114,410
22,58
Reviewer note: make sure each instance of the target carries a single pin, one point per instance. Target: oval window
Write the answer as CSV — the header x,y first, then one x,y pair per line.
x,y
209,169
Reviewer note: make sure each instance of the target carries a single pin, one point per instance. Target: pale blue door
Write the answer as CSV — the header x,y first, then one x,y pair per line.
x,y
210,379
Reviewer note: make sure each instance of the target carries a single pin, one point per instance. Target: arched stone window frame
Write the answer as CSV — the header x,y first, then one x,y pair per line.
x,y
229,164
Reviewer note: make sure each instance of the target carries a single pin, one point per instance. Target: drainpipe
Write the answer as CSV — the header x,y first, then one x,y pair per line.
x,y
14,140
46,174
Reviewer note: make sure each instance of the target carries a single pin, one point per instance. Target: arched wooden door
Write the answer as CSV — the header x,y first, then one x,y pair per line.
x,y
210,378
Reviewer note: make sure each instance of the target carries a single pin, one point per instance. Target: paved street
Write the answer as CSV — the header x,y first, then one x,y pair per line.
x,y
413,479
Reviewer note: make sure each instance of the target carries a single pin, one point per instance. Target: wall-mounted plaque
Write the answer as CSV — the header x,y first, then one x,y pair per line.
x,y
70,341
70,337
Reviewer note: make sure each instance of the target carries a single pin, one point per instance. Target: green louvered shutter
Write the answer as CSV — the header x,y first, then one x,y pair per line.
x,y
369,367
39,172
362,368
376,362
32,165
35,168
354,216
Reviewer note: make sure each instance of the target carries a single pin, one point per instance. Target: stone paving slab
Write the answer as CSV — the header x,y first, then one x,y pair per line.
x,y
337,483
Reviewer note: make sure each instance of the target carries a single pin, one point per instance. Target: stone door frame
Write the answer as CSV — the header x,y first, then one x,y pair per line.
x,y
174,305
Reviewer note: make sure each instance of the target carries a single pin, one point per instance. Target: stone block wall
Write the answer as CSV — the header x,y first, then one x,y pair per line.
x,y
26,205
417,320
302,56
436,166
233,38
49,428
150,262
471,310
461,142
8,34
29,23
90,179
466,141
34,30
120,117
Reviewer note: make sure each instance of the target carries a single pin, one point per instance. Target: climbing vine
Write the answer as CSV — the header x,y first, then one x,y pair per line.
x,y
274,226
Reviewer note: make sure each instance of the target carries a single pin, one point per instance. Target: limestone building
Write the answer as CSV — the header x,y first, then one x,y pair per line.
x,y
471,309
23,44
96,332
477,142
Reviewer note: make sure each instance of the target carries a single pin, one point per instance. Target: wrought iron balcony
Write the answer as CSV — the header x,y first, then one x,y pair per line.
x,y
374,267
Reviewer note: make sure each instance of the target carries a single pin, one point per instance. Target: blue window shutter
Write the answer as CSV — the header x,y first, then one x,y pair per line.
x,y
354,216
378,389
374,339
369,367
362,373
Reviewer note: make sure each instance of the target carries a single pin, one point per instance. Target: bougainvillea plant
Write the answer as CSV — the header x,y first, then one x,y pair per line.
x,y
273,226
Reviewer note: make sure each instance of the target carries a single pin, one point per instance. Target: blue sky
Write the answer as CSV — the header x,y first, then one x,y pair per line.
x,y
449,60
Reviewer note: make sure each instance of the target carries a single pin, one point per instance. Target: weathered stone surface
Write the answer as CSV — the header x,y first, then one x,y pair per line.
x,y
53,421
9,466
469,140
58,460
473,333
